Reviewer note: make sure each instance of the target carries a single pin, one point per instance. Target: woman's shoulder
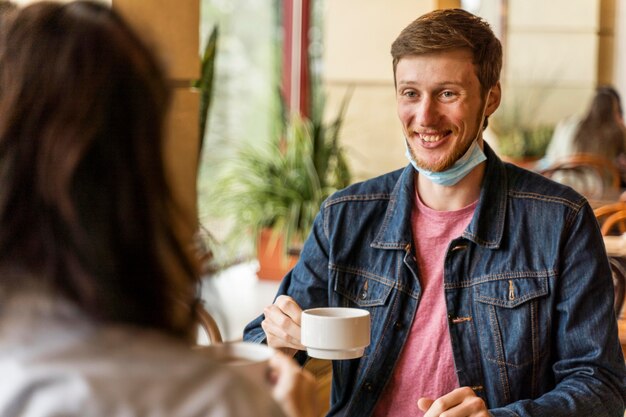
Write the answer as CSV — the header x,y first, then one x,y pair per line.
x,y
81,369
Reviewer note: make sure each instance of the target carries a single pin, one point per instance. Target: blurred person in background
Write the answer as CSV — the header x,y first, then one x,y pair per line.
x,y
96,287
600,131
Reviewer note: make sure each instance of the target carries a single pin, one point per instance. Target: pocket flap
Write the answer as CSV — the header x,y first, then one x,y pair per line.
x,y
361,290
510,293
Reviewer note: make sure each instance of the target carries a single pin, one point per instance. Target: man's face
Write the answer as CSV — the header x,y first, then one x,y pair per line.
x,y
440,106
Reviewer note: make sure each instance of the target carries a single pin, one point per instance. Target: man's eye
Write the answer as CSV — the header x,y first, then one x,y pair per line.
x,y
410,94
448,94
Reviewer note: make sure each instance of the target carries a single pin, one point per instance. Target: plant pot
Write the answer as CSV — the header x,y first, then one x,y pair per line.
x,y
274,262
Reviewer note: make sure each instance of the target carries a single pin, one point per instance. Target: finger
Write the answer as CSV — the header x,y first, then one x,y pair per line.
x,y
278,337
289,306
443,403
275,315
424,403
459,402
280,329
282,324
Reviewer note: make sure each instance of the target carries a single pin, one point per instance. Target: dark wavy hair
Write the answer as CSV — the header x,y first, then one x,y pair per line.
x,y
5,6
85,206
600,131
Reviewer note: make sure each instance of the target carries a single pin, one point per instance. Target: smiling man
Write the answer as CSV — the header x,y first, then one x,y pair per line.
x,y
488,286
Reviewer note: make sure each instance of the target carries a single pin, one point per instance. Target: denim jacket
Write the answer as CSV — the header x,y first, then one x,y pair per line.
x,y
528,290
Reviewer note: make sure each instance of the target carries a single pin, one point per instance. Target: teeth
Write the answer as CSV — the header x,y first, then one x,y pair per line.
x,y
430,138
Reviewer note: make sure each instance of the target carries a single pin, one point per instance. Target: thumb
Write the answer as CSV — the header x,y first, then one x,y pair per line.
x,y
424,403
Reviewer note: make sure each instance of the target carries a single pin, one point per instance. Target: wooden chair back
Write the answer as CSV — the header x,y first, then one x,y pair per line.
x,y
207,324
591,175
611,218
615,220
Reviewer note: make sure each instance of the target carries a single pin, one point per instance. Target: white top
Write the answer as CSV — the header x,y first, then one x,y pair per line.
x,y
562,142
56,362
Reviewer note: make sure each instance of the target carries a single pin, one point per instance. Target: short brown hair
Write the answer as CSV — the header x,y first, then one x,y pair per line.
x,y
446,29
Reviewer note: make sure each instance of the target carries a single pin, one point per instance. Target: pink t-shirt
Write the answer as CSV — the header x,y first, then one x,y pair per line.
x,y
426,364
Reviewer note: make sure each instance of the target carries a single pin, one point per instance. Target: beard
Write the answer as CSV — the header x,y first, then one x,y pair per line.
x,y
455,154
446,162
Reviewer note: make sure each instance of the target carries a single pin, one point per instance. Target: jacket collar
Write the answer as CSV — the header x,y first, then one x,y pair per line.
x,y
485,229
487,225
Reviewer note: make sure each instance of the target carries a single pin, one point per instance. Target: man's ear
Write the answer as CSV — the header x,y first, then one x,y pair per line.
x,y
493,99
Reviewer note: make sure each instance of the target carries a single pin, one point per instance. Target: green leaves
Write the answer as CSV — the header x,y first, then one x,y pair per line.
x,y
282,183
205,83
520,132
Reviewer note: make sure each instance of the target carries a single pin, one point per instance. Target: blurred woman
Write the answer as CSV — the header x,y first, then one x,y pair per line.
x,y
96,288
601,131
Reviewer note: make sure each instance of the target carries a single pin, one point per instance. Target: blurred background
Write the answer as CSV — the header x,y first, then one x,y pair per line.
x,y
278,103
556,54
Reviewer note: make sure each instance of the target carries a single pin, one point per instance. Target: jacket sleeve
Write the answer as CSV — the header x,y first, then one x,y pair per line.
x,y
588,364
306,283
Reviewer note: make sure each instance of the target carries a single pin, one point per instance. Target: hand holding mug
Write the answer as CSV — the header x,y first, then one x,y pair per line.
x,y
282,325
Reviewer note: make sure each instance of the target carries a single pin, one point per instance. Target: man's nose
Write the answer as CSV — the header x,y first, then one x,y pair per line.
x,y
426,112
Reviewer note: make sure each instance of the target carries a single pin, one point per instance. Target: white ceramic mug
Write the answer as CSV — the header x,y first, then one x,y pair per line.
x,y
335,332
248,359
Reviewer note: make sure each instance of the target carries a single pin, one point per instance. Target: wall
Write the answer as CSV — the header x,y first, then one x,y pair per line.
x,y
607,39
620,48
554,55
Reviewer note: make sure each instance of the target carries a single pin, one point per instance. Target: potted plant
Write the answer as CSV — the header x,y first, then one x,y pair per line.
x,y
272,190
523,145
520,138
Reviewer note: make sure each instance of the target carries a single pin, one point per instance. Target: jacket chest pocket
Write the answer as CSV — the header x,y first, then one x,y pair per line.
x,y
511,316
357,289
360,290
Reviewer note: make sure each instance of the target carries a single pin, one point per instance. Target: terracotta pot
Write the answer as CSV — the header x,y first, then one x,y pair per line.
x,y
273,262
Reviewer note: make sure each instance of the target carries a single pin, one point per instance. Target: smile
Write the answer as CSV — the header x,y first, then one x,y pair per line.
x,y
432,137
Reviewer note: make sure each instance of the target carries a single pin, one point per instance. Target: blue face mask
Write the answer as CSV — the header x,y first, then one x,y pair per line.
x,y
456,172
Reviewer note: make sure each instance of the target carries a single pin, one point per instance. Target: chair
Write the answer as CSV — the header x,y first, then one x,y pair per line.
x,y
612,220
616,219
207,324
611,216
591,175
